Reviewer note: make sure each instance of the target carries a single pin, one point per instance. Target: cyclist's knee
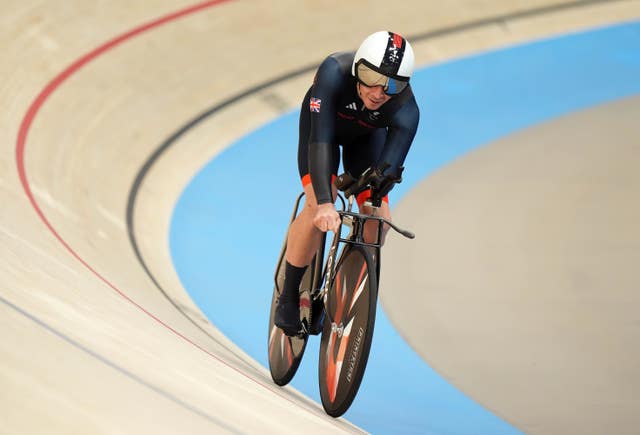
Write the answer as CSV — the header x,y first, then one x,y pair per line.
x,y
310,203
371,227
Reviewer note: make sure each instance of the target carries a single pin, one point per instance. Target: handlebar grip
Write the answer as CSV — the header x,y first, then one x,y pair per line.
x,y
351,185
373,178
407,234
344,181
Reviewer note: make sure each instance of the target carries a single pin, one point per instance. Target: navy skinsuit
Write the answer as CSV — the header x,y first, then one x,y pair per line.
x,y
333,114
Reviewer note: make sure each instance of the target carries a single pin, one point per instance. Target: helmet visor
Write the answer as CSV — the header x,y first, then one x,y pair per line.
x,y
368,77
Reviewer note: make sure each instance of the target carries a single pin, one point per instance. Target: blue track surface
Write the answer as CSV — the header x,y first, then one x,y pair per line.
x,y
230,221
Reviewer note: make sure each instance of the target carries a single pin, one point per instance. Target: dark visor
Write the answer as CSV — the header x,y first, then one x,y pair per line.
x,y
368,77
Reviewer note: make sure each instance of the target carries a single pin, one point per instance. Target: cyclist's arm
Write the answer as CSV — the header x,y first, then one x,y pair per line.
x,y
400,134
327,86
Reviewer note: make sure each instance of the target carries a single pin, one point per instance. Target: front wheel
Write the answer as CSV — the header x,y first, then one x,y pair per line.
x,y
347,330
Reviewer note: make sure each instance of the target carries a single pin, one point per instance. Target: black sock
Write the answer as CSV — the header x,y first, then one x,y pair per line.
x,y
292,277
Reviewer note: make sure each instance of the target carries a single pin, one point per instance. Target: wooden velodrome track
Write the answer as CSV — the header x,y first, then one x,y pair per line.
x,y
89,342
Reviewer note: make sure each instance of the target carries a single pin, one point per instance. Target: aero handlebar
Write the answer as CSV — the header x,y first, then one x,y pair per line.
x,y
408,234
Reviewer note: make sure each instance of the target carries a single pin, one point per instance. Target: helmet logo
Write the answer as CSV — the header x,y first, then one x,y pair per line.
x,y
393,54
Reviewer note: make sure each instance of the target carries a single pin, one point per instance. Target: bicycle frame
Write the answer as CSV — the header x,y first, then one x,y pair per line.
x,y
324,271
356,221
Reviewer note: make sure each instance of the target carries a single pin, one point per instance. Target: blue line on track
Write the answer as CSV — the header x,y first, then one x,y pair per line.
x,y
229,223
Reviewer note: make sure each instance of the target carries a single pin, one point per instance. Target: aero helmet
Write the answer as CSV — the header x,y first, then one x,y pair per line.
x,y
386,59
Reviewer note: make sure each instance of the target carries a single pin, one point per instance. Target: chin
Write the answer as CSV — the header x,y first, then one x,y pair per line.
x,y
374,106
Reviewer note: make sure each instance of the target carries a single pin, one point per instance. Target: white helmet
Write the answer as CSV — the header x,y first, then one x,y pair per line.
x,y
387,53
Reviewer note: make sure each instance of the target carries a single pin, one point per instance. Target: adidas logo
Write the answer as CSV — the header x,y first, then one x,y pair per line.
x,y
352,106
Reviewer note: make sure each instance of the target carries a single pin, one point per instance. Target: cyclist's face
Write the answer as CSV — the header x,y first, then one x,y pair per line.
x,y
372,97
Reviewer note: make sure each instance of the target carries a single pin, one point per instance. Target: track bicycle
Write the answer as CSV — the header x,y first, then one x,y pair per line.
x,y
338,298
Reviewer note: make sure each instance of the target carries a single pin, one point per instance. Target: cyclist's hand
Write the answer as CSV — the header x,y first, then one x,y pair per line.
x,y
327,218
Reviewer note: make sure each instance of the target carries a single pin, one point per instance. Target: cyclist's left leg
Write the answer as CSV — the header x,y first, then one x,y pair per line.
x,y
371,227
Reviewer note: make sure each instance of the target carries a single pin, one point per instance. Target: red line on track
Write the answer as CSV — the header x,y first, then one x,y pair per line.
x,y
35,107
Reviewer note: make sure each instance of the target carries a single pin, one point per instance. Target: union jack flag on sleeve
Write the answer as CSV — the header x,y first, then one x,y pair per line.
x,y
314,104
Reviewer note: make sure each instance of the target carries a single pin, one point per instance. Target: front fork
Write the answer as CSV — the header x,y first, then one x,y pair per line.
x,y
356,237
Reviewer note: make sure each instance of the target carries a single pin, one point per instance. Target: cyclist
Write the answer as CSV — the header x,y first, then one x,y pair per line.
x,y
364,102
